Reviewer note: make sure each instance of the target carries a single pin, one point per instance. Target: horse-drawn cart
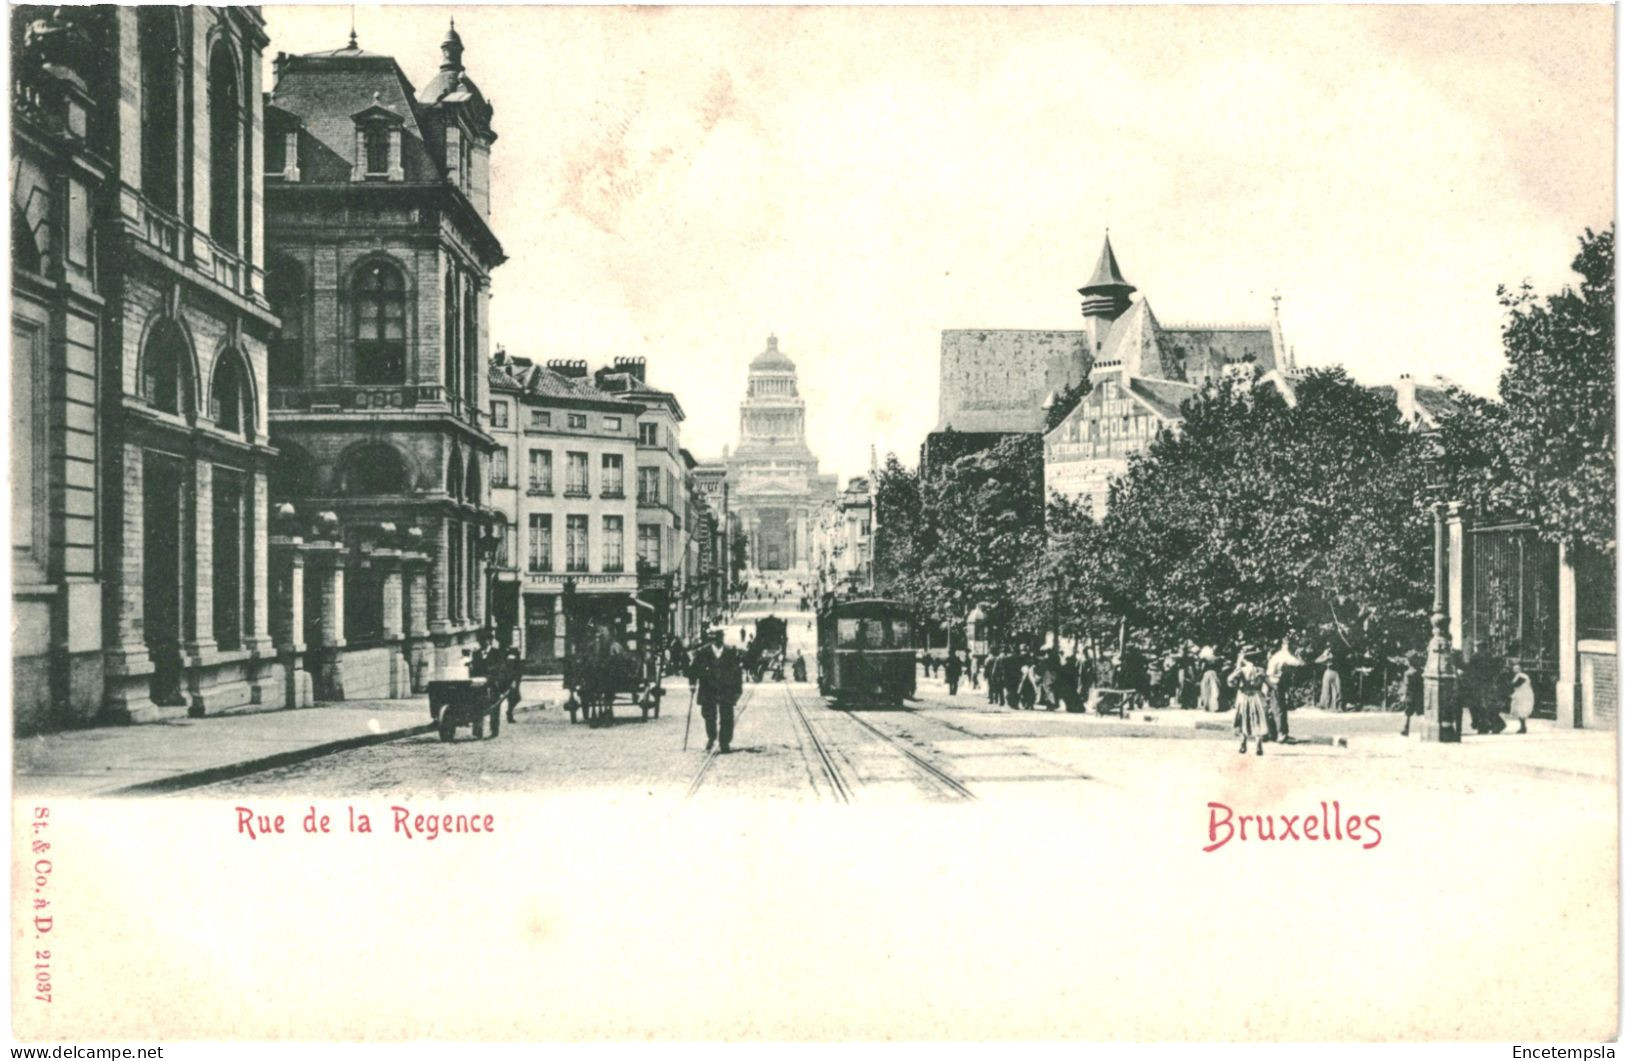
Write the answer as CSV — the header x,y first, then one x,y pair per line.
x,y
473,701
605,670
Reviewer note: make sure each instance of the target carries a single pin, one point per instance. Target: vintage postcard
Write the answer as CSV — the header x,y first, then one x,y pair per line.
x,y
813,523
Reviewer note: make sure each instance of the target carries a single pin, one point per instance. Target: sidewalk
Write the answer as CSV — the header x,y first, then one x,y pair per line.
x,y
158,757
1545,751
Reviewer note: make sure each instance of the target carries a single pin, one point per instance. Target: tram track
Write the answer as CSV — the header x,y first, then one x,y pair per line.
x,y
1002,741
826,761
955,787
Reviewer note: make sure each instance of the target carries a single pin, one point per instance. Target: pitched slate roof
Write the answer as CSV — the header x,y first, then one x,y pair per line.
x,y
325,90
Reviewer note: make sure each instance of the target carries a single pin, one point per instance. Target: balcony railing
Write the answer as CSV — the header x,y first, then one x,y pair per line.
x,y
355,397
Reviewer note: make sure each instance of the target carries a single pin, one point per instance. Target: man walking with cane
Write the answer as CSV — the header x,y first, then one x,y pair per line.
x,y
716,680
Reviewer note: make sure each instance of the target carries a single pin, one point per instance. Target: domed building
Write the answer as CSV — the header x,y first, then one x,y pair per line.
x,y
774,477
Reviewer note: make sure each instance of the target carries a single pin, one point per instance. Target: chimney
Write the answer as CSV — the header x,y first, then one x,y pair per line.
x,y
1405,398
277,64
569,369
636,367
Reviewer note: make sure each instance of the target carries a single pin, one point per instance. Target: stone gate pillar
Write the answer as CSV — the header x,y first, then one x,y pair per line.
x,y
327,558
287,615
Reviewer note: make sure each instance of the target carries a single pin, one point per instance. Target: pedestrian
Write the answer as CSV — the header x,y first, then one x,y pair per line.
x,y
973,670
1522,700
1086,678
716,673
1210,698
1413,690
994,672
951,670
1048,670
1280,659
798,669
1066,683
1251,683
1331,683
1015,667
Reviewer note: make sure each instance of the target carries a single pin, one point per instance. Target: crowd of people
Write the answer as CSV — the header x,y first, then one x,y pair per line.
x,y
1259,687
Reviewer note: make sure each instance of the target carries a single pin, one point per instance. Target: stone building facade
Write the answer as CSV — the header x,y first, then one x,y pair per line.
x,y
64,144
773,477
379,265
186,458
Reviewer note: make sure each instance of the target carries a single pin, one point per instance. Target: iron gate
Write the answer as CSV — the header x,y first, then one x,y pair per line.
x,y
1512,613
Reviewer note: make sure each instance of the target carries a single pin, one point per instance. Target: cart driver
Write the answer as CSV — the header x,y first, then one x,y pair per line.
x,y
716,676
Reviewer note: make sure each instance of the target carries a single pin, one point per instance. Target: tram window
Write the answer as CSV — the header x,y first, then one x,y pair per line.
x,y
874,633
901,635
847,632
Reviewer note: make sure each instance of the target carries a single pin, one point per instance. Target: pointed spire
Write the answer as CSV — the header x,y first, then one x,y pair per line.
x,y
1107,292
1107,274
451,49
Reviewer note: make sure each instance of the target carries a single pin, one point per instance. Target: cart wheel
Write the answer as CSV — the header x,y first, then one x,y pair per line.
x,y
448,728
496,720
479,726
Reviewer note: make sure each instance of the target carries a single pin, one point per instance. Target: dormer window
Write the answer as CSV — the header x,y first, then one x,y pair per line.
x,y
377,151
377,143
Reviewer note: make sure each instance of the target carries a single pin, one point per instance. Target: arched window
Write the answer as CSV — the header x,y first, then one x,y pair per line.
x,y
374,470
285,288
454,476
225,147
164,379
160,93
453,371
380,325
231,405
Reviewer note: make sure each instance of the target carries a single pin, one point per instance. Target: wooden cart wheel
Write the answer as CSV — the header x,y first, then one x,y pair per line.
x,y
448,728
479,726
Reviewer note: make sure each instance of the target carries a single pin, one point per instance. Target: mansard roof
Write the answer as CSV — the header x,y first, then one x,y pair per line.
x,y
326,90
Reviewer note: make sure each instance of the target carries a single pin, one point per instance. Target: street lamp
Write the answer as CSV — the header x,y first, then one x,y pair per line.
x,y
487,546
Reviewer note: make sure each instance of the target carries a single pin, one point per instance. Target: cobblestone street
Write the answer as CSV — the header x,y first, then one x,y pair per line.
x,y
791,745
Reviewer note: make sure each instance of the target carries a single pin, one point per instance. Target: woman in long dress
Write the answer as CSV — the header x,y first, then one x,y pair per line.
x,y
1522,699
1210,698
1251,684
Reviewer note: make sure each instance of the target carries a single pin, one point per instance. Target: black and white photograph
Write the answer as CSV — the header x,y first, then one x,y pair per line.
x,y
833,524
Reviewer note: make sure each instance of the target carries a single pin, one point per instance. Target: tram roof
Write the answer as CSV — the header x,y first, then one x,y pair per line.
x,y
861,607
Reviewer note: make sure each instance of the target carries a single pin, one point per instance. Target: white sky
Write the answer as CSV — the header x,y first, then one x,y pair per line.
x,y
675,183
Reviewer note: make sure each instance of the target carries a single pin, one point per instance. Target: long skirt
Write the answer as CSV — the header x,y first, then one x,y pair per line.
x,y
1252,720
1331,691
1209,700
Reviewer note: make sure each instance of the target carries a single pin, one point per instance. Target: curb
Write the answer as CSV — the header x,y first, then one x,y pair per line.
x,y
230,771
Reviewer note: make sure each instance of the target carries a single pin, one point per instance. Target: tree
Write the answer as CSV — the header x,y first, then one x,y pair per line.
x,y
984,515
1064,403
1264,516
1545,451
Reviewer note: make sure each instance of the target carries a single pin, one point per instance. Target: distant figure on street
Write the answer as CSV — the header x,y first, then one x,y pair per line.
x,y
1413,690
716,672
1211,697
1251,683
1087,675
1015,669
1280,659
798,669
994,672
1331,683
1523,697
1048,671
973,669
951,671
